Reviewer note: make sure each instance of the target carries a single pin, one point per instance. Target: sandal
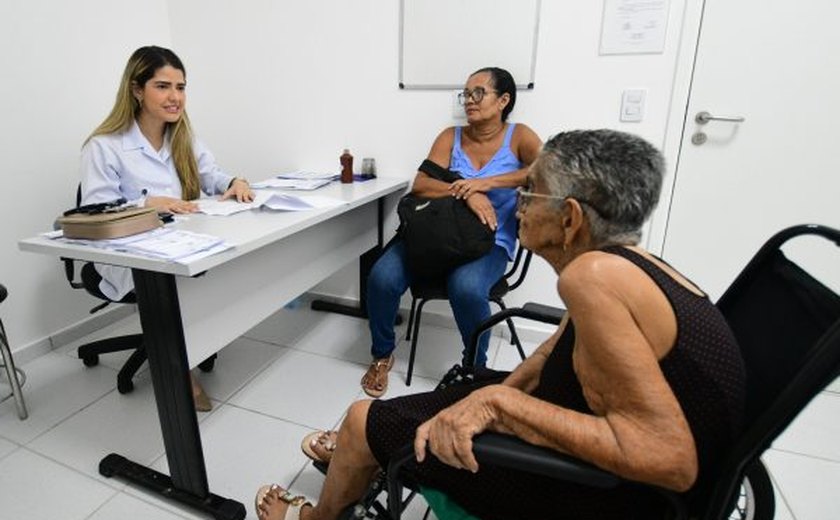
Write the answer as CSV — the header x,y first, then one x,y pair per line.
x,y
325,440
375,380
200,398
295,502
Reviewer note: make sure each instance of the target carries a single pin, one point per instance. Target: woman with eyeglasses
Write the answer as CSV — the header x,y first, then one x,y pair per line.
x,y
643,376
492,155
145,152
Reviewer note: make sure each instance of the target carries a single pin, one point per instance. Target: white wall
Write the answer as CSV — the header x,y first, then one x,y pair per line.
x,y
61,63
283,85
272,86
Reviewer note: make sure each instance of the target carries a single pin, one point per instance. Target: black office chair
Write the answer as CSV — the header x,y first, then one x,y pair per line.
x,y
424,291
788,327
89,352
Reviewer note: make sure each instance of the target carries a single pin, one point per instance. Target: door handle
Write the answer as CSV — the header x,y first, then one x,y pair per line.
x,y
704,117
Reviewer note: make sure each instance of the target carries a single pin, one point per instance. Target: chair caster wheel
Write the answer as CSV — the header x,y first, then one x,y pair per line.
x,y
91,361
125,387
208,364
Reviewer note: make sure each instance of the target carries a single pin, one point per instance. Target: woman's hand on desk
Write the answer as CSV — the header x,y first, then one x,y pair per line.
x,y
239,189
171,205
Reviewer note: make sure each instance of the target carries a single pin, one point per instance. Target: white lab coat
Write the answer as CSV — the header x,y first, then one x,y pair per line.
x,y
126,165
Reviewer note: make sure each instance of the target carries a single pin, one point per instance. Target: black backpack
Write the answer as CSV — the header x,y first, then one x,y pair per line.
x,y
440,234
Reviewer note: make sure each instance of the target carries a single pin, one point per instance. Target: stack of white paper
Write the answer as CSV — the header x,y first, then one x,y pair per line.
x,y
291,184
173,245
271,200
301,175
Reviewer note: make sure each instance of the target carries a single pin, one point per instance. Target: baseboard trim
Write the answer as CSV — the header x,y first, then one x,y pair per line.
x,y
72,333
529,331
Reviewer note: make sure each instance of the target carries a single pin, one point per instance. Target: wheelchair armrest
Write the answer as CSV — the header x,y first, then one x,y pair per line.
x,y
508,452
543,313
513,453
531,311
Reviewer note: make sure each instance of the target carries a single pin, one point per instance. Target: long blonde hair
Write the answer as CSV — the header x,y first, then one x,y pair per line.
x,y
141,67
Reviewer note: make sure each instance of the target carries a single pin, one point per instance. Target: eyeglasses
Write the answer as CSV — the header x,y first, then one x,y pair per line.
x,y
476,94
524,196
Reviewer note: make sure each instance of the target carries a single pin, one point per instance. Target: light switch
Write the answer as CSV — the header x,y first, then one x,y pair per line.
x,y
633,105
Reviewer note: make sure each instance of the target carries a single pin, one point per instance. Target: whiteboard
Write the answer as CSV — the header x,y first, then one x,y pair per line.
x,y
443,41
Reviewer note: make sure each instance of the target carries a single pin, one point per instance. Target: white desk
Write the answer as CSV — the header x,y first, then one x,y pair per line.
x,y
189,312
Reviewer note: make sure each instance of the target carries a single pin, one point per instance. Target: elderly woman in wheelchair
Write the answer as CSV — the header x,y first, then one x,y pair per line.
x,y
642,377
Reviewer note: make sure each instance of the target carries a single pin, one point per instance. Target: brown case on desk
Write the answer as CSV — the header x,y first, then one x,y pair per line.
x,y
114,224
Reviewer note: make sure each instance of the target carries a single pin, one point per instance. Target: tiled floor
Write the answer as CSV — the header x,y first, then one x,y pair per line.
x,y
295,372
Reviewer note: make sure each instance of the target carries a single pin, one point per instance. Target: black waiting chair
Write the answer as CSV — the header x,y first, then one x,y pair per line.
x,y
425,291
89,352
9,364
788,327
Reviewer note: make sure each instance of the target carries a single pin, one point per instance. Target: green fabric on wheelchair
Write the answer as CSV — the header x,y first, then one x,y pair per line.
x,y
443,506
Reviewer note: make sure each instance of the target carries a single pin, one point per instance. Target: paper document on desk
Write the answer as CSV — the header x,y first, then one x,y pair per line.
x,y
291,184
271,200
214,206
174,245
286,202
309,176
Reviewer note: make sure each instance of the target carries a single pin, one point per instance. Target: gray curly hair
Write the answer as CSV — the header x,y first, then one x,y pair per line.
x,y
615,176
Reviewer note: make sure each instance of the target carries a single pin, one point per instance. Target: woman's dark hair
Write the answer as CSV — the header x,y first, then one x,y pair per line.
x,y
504,84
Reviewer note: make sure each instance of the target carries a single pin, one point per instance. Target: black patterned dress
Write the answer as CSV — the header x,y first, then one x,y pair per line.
x,y
704,369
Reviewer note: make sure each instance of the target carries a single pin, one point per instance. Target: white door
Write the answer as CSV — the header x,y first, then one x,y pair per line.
x,y
776,64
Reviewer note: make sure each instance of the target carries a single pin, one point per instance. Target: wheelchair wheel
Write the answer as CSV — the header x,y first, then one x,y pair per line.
x,y
756,500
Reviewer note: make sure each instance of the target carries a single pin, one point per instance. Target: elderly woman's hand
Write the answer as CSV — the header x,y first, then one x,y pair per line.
x,y
240,190
480,204
462,189
449,434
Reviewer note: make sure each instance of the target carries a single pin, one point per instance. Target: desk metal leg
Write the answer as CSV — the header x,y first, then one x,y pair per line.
x,y
163,337
366,262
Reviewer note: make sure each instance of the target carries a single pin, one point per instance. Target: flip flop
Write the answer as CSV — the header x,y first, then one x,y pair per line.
x,y
296,502
326,438
378,371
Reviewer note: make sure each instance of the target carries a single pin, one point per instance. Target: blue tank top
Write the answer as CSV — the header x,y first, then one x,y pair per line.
x,y
503,199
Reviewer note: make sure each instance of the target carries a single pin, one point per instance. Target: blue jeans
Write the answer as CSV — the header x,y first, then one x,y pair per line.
x,y
468,287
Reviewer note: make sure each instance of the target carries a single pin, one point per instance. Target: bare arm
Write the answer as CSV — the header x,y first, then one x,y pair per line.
x,y
638,430
425,186
441,153
526,376
526,145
